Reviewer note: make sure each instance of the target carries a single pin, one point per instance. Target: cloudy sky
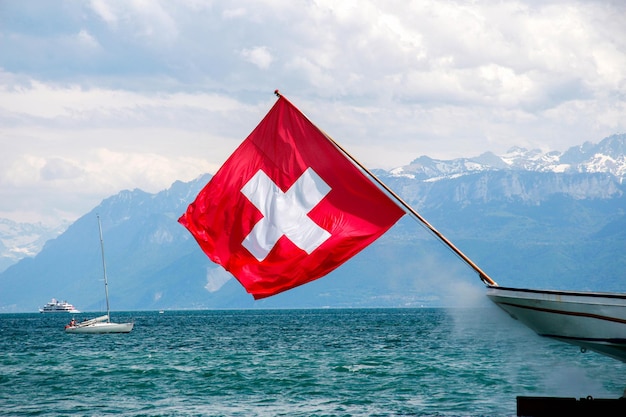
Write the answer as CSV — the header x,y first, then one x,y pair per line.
x,y
99,96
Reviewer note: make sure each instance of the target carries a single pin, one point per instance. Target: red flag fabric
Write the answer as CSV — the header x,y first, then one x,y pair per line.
x,y
287,207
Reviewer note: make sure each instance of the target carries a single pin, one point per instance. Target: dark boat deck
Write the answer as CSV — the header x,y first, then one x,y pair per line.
x,y
563,406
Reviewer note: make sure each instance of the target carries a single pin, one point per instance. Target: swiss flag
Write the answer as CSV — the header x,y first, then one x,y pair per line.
x,y
287,207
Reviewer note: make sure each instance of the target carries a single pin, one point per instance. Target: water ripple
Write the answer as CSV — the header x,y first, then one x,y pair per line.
x,y
429,362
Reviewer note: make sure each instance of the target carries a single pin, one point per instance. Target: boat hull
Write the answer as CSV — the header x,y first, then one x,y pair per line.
x,y
591,320
55,306
71,311
99,328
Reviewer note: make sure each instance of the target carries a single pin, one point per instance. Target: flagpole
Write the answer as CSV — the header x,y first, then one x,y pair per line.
x,y
482,274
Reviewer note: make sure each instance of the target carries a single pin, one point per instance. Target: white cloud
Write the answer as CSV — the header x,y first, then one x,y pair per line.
x,y
104,10
259,56
234,13
49,101
58,168
24,171
149,22
85,38
65,188
157,91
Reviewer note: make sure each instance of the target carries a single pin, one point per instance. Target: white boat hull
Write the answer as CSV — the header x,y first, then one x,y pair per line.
x,y
73,311
55,306
98,328
594,321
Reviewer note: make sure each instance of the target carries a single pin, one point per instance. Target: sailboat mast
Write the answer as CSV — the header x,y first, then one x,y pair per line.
x,y
104,269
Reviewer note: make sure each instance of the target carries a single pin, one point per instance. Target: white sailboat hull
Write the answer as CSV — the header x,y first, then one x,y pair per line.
x,y
104,327
595,321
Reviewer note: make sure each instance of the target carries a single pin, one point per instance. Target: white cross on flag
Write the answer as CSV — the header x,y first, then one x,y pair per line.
x,y
287,207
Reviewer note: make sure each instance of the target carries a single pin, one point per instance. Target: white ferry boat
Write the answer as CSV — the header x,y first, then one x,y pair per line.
x,y
55,306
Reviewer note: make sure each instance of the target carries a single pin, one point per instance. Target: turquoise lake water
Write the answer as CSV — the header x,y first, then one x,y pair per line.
x,y
349,362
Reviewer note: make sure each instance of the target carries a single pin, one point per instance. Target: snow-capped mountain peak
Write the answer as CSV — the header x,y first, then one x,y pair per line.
x,y
20,240
608,156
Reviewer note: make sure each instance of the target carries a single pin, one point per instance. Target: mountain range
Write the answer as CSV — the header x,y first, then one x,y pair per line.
x,y
528,218
608,156
21,240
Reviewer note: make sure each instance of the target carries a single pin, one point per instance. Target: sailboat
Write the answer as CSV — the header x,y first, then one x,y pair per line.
x,y
103,323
